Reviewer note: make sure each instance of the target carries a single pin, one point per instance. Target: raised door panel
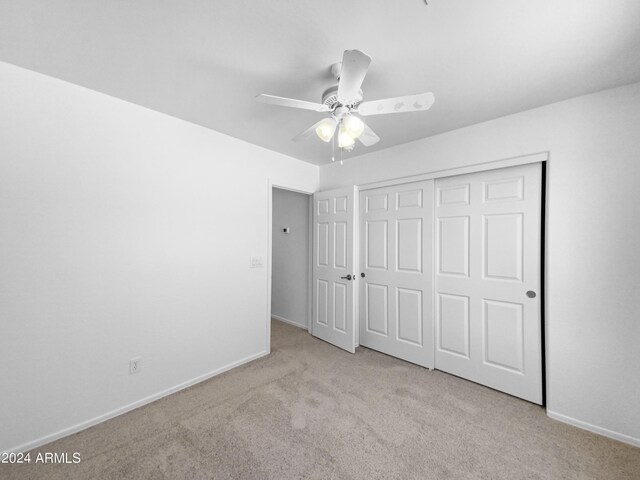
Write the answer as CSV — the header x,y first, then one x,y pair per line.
x,y
453,195
503,246
409,198
376,244
409,245
504,335
340,306
375,202
376,310
453,324
409,315
322,206
340,204
322,249
505,189
322,301
340,245
453,246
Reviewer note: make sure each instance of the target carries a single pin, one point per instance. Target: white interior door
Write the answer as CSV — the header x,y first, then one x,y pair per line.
x,y
488,323
396,287
334,269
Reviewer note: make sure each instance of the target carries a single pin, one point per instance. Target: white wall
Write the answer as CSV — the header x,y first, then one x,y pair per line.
x,y
593,239
123,232
290,263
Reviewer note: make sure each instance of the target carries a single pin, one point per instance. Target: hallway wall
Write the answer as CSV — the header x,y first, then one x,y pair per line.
x,y
290,262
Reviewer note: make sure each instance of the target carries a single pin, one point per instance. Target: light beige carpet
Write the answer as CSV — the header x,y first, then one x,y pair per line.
x,y
310,410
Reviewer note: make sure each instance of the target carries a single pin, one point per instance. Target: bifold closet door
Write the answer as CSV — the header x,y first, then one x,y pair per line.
x,y
487,282
396,286
334,267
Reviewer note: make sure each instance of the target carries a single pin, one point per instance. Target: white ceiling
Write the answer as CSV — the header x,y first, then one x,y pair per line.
x,y
204,61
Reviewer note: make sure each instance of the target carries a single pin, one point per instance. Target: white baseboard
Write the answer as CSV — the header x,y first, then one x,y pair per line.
x,y
593,428
290,322
132,406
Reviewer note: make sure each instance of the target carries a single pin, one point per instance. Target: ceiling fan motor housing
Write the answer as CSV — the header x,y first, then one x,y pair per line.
x,y
330,98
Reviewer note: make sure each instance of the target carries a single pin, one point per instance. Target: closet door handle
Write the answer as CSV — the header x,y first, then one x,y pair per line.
x,y
348,277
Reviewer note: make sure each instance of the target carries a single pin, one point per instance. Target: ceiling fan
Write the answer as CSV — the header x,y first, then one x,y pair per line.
x,y
344,100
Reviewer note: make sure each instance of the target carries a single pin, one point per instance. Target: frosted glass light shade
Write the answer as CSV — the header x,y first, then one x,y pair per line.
x,y
353,125
326,129
344,139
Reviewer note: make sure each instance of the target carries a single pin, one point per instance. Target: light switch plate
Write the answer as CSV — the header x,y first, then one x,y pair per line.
x,y
256,262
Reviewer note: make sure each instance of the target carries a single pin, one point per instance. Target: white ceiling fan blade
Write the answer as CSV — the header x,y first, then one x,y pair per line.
x,y
290,102
368,136
354,68
330,123
410,103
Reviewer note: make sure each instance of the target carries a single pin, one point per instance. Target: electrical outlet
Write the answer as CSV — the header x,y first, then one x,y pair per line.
x,y
135,365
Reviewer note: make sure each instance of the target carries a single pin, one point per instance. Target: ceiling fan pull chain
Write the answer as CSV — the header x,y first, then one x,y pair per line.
x,y
333,148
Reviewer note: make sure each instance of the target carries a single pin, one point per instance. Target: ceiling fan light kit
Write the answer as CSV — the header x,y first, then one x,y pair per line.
x,y
326,129
344,100
353,126
344,139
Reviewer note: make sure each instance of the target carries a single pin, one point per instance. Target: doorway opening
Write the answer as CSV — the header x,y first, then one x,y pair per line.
x,y
291,252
